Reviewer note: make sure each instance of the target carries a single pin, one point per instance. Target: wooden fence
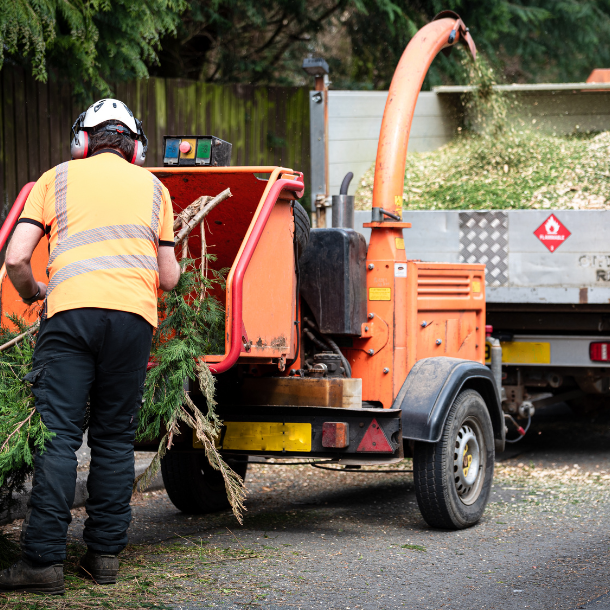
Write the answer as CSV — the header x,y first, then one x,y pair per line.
x,y
266,125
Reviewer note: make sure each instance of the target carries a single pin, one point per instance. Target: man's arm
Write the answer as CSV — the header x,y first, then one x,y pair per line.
x,y
18,257
169,269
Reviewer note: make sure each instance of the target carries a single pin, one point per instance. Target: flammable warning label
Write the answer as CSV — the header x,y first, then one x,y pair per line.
x,y
552,233
380,294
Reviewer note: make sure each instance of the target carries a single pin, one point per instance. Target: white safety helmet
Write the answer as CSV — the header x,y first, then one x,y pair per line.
x,y
100,112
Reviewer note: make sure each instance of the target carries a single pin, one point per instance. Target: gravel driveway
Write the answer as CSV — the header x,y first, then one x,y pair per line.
x,y
318,539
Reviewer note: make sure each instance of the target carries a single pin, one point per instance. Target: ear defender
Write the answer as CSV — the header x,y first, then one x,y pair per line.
x,y
80,145
139,153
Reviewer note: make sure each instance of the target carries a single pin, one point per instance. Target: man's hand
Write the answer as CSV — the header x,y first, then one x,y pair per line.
x,y
18,257
38,296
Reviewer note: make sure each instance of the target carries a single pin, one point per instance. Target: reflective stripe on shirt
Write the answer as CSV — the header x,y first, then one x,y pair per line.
x,y
126,261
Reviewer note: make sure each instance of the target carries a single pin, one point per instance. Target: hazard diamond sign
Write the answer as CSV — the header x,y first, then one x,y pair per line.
x,y
552,233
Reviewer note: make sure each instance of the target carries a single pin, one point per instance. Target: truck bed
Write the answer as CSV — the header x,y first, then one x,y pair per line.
x,y
569,265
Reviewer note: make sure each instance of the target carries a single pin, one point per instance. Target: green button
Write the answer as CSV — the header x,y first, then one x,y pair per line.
x,y
204,149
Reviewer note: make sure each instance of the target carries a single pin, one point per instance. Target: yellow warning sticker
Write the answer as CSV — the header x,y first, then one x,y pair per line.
x,y
476,286
380,294
398,204
400,243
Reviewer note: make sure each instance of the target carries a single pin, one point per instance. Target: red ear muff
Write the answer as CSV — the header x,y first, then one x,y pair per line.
x,y
139,154
79,148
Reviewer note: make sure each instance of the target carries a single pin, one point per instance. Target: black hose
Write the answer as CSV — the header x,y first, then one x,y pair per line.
x,y
345,183
358,470
335,348
315,340
329,343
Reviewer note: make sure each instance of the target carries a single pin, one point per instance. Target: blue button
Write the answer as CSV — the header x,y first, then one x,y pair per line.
x,y
172,149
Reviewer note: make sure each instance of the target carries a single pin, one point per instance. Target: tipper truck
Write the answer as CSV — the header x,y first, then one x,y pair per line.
x,y
334,350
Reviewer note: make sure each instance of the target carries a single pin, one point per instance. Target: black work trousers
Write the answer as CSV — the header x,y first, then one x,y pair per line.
x,y
86,354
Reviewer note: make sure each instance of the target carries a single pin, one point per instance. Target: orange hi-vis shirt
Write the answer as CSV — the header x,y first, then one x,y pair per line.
x,y
105,220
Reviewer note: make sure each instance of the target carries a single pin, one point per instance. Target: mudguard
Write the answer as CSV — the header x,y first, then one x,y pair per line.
x,y
430,389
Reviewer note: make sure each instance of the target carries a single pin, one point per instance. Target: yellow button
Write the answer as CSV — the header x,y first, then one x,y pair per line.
x,y
191,151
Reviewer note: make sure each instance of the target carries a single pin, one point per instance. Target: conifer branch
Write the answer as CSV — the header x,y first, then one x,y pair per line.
x,y
21,337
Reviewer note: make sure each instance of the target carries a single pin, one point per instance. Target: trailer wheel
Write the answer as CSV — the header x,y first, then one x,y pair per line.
x,y
301,228
453,477
193,485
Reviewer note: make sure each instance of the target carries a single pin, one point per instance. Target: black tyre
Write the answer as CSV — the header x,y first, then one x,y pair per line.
x,y
453,477
301,228
195,487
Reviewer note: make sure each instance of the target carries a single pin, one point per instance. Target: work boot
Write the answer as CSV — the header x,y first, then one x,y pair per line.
x,y
103,569
41,578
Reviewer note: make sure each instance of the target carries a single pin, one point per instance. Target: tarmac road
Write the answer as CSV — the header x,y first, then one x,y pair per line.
x,y
317,539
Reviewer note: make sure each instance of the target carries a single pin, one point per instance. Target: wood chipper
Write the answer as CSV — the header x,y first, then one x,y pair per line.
x,y
334,351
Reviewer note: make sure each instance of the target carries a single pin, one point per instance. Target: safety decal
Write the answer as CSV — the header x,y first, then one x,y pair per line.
x,y
380,294
400,269
552,233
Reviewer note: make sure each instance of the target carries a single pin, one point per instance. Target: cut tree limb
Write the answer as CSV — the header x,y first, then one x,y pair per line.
x,y
20,337
190,211
200,215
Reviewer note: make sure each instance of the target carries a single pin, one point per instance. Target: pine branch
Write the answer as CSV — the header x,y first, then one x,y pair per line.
x,y
192,326
21,337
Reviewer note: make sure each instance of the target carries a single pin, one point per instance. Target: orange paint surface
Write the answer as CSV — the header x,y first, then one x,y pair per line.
x,y
449,298
11,302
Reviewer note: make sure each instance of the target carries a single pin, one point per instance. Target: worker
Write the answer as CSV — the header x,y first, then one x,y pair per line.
x,y
109,225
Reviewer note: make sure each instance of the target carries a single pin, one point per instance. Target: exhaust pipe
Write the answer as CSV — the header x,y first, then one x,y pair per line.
x,y
343,206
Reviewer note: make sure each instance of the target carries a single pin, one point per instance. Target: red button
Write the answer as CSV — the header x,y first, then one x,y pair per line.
x,y
185,147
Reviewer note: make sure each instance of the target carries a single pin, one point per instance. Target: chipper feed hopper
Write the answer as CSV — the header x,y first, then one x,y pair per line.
x,y
333,351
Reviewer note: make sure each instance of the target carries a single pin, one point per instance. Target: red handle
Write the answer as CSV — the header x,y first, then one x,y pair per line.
x,y
14,214
240,272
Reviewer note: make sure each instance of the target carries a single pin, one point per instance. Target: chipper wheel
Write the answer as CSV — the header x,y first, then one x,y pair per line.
x,y
193,485
301,228
453,477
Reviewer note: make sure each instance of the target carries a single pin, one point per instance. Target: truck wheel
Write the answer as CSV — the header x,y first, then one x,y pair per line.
x,y
301,228
453,477
193,485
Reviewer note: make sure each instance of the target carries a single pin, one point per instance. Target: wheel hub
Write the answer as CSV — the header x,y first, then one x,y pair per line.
x,y
466,460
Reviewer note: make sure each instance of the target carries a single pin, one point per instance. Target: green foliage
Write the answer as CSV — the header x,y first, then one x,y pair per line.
x,y
95,42
192,325
22,431
91,42
525,40
363,40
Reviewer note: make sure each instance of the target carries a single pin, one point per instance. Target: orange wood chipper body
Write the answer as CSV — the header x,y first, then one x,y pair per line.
x,y
335,351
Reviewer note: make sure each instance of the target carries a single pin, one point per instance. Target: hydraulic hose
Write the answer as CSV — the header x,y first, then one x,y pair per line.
x,y
329,343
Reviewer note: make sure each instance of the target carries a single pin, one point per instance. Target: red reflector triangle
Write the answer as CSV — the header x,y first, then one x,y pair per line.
x,y
374,440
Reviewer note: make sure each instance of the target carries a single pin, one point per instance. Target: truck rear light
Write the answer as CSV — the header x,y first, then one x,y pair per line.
x,y
335,434
374,440
599,351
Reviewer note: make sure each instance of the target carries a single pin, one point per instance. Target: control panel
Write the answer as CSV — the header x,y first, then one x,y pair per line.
x,y
196,150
